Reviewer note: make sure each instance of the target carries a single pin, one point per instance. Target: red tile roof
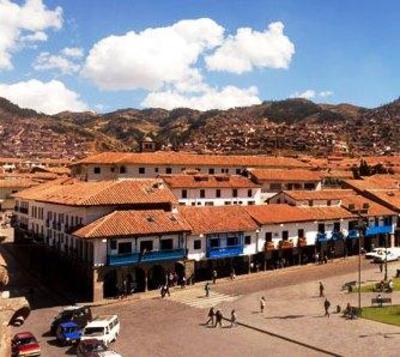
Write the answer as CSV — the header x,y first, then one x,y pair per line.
x,y
374,209
134,223
218,219
294,175
80,193
319,194
183,159
208,181
282,213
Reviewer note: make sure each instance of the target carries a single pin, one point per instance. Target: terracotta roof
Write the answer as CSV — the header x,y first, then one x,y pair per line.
x,y
337,173
371,183
374,209
320,194
17,183
208,181
134,223
286,175
282,213
80,193
217,219
180,158
389,197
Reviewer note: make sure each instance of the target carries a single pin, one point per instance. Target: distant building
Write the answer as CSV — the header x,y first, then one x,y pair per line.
x,y
147,145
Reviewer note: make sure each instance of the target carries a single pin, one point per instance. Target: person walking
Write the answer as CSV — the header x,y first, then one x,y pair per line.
x,y
381,267
233,318
211,315
218,318
207,289
262,304
327,304
167,290
214,276
321,289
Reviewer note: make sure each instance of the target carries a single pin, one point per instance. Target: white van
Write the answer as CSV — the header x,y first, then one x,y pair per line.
x,y
104,328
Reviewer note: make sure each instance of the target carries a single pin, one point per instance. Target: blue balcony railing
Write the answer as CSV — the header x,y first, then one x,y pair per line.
x,y
225,252
373,230
161,255
336,235
321,237
353,234
123,259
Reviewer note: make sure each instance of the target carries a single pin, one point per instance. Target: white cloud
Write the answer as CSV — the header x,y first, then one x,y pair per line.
x,y
325,94
45,61
24,23
48,97
228,97
75,52
152,58
248,49
307,94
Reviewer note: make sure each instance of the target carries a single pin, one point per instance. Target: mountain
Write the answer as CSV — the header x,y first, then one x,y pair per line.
x,y
291,126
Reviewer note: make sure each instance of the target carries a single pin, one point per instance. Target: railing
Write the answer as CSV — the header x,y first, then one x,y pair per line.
x,y
337,235
269,246
123,259
285,244
321,237
160,255
302,242
24,210
353,234
373,230
225,252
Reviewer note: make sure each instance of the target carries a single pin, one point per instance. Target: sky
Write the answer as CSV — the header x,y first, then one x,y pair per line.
x,y
103,55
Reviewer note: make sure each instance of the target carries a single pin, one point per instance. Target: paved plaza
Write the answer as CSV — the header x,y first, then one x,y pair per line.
x,y
174,326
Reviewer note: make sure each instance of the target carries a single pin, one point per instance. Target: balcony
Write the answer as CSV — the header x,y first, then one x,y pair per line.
x,y
302,242
231,251
24,210
321,237
162,255
285,244
123,259
371,231
353,234
269,246
337,235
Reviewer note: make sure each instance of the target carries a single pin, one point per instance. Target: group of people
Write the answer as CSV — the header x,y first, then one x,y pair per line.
x,y
215,318
384,286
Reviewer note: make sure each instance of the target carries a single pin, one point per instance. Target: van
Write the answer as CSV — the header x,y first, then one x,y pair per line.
x,y
104,328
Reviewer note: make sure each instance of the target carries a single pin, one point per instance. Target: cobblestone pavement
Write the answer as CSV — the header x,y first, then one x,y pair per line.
x,y
174,326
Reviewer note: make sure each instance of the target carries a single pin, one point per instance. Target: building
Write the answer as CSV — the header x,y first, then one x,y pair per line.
x,y
213,190
9,187
112,165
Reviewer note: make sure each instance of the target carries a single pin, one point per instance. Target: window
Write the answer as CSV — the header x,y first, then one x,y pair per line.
x,y
125,248
113,244
238,172
309,186
227,203
218,193
235,192
184,193
156,169
336,227
97,170
202,194
376,221
146,245
166,244
122,170
300,233
329,203
197,244
276,186
249,192
193,203
168,170
321,228
387,221
232,241
209,203
142,170
112,169
247,240
214,243
311,203
211,171
285,235
251,203
268,236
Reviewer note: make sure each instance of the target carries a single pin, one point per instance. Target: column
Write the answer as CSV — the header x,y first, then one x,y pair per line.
x,y
97,285
392,241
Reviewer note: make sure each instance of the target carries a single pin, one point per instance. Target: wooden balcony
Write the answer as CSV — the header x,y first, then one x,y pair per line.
x,y
302,242
286,244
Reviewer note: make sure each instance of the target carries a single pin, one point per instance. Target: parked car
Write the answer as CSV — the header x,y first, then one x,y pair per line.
x,y
374,253
81,315
68,332
104,328
25,344
390,257
94,348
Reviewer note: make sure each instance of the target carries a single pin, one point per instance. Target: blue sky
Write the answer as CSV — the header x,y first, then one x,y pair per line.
x,y
328,51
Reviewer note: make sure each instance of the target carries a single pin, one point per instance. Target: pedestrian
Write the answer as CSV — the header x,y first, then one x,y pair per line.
x,y
233,318
233,274
262,304
321,290
316,258
381,267
167,290
211,315
214,276
218,318
162,291
207,289
183,282
390,286
327,304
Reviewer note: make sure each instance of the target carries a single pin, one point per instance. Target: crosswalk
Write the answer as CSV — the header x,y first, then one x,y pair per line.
x,y
195,297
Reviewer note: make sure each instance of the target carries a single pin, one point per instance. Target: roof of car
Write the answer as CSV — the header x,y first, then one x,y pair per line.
x,y
69,324
25,334
101,320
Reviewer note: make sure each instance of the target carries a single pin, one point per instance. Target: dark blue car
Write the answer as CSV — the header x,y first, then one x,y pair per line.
x,y
68,333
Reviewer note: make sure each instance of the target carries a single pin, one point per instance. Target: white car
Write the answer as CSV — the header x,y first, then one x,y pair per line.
x,y
390,257
104,328
374,253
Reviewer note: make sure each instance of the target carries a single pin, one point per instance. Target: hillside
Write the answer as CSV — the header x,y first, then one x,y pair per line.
x,y
291,126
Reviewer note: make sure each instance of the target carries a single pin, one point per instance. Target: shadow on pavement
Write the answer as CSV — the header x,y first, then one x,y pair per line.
x,y
286,317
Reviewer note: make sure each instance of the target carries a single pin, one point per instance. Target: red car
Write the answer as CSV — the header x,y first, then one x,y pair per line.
x,y
24,344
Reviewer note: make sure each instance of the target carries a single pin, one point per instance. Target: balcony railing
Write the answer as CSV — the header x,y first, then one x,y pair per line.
x,y
337,235
123,259
285,244
353,234
225,252
373,230
269,246
160,255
